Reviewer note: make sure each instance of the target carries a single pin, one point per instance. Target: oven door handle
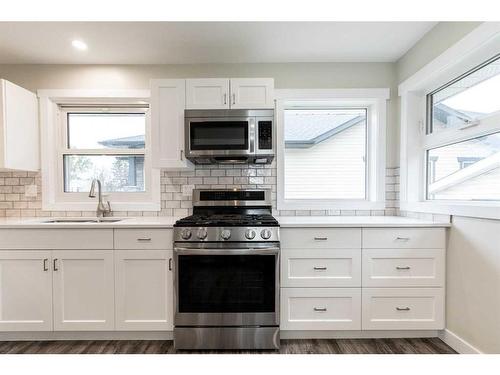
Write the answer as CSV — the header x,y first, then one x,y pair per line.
x,y
253,251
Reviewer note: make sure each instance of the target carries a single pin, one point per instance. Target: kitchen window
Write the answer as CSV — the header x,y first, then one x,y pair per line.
x,y
331,151
108,144
462,141
450,132
108,139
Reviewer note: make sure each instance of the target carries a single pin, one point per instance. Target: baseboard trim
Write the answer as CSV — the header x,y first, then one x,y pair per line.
x,y
457,343
356,334
111,335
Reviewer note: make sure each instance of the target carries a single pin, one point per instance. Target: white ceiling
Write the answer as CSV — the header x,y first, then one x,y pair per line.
x,y
206,42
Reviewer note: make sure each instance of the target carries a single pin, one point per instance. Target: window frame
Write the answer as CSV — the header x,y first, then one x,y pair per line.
x,y
54,106
375,102
471,53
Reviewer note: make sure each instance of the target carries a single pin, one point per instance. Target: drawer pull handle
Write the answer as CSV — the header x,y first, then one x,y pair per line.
x,y
45,264
55,265
320,268
144,239
403,308
320,309
405,239
320,238
403,268
170,264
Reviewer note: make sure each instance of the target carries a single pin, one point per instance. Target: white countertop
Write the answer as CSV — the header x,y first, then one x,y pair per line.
x,y
354,221
285,222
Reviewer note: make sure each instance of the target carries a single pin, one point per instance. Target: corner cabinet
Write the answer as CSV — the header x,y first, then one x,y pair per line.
x,y
19,132
168,101
230,93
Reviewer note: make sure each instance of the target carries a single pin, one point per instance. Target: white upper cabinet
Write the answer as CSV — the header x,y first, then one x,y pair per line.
x,y
167,124
252,93
19,134
234,93
207,93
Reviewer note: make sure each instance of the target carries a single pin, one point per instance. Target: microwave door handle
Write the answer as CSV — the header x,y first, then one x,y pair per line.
x,y
252,134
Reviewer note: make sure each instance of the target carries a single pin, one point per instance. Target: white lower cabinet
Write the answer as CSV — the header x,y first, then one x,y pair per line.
x,y
321,268
320,309
83,290
403,308
403,267
25,291
143,290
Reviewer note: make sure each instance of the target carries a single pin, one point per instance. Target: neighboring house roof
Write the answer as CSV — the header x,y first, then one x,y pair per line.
x,y
319,128
136,141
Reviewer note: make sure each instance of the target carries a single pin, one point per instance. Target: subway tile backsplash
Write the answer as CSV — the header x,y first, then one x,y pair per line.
x,y
15,202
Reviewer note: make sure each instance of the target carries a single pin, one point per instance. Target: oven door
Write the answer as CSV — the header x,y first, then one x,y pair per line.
x,y
226,287
224,136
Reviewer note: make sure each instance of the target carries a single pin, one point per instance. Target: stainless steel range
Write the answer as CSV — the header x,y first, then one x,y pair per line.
x,y
226,272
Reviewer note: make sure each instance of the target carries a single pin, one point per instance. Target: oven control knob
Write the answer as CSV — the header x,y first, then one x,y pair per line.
x,y
202,234
265,234
225,234
186,234
250,234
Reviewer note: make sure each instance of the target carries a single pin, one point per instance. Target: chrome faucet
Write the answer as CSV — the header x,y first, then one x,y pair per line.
x,y
103,208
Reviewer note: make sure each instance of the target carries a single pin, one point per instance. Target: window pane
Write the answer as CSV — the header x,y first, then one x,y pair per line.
x,y
468,170
325,153
118,173
470,98
106,130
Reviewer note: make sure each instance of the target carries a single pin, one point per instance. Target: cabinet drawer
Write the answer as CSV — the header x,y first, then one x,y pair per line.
x,y
404,238
56,239
320,309
403,267
403,308
159,239
320,238
321,267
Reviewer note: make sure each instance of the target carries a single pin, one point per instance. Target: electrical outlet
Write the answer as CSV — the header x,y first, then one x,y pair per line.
x,y
30,190
187,190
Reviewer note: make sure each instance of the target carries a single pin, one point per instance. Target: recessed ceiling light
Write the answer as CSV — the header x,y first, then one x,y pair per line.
x,y
80,45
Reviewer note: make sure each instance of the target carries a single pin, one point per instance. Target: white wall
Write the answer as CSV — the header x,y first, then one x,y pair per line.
x,y
292,75
473,254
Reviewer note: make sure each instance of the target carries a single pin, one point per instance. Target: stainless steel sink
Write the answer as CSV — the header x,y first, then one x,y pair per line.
x,y
83,220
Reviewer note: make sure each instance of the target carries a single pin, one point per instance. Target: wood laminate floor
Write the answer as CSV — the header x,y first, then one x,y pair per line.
x,y
333,346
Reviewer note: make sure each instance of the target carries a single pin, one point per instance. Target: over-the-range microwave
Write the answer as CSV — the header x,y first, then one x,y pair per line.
x,y
230,136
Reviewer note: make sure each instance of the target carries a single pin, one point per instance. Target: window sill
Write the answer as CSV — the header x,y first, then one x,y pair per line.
x,y
486,210
91,206
329,205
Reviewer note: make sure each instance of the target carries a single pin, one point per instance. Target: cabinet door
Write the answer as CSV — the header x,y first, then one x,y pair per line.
x,y
25,291
252,93
83,290
144,300
207,93
19,132
167,124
